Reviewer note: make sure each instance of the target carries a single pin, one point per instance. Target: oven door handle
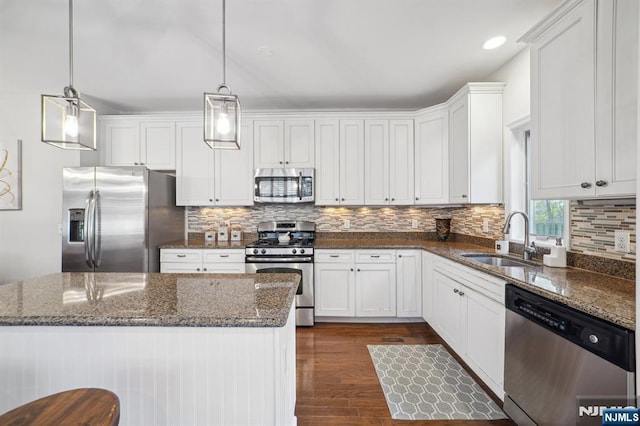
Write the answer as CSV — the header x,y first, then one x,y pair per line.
x,y
300,259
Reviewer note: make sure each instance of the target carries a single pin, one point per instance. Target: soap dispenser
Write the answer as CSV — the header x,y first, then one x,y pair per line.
x,y
558,256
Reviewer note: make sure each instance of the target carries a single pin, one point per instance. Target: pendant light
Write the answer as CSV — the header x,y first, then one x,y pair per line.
x,y
222,110
67,121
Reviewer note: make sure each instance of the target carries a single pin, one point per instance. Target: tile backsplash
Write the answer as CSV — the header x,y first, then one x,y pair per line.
x,y
592,227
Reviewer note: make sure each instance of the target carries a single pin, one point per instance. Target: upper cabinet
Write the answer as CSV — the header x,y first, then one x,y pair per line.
x,y
213,177
432,156
585,51
475,144
389,161
138,141
284,143
339,162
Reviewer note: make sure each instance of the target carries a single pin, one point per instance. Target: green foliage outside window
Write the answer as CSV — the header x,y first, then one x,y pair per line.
x,y
547,217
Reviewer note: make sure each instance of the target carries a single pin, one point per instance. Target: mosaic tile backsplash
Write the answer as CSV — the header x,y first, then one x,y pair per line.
x,y
592,227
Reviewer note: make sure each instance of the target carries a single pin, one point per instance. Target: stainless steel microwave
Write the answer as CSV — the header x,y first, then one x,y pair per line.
x,y
284,186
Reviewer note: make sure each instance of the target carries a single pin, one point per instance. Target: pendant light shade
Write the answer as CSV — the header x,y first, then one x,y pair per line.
x,y
67,121
222,110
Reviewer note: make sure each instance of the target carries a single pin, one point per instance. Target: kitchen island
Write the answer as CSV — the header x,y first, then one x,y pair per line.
x,y
175,348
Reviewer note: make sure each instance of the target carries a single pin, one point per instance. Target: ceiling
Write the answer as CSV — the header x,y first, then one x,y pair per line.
x,y
161,55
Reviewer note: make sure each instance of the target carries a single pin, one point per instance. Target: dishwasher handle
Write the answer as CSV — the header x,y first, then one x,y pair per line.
x,y
603,338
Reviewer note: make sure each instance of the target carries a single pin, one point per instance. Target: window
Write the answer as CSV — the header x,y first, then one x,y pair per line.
x,y
546,217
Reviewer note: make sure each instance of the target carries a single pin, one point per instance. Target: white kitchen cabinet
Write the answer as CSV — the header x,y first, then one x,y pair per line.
x,y
409,283
284,143
469,314
428,292
213,177
389,160
202,261
133,141
335,284
475,144
584,101
339,146
360,283
432,156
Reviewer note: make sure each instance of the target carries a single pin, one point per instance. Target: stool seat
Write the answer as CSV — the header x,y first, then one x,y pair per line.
x,y
86,406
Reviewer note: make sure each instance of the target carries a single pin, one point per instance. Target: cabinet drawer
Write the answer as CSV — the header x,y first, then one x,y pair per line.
x,y
223,268
226,256
485,284
334,256
180,268
187,255
375,256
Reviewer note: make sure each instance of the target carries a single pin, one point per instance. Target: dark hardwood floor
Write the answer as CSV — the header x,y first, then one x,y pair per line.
x,y
337,383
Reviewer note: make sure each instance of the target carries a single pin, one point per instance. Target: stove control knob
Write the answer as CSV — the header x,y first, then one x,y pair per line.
x,y
263,251
301,251
255,251
294,251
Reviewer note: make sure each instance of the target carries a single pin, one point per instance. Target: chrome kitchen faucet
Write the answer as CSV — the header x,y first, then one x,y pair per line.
x,y
529,250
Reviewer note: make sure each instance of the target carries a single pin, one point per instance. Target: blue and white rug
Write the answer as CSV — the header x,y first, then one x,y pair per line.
x,y
424,382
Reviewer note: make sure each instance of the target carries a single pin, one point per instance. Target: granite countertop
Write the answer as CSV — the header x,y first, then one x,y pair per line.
x,y
151,299
600,295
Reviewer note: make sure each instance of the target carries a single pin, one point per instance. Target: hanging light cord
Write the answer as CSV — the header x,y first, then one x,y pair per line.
x,y
69,91
224,44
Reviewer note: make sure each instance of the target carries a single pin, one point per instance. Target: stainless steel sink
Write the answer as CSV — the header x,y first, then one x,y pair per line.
x,y
499,261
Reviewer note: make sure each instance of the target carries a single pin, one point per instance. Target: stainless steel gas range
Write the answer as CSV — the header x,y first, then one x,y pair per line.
x,y
286,246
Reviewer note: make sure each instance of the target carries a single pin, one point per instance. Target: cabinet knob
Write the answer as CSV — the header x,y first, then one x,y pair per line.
x,y
358,269
286,162
464,195
142,164
337,199
601,183
136,164
585,185
417,198
217,199
351,269
204,269
455,290
399,255
461,293
198,269
393,199
343,199
280,162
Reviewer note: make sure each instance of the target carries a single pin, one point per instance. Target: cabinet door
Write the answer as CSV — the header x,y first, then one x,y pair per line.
x,y
401,159
432,158
448,312
485,336
233,171
334,289
194,166
121,143
617,94
376,162
428,292
327,146
459,151
375,290
268,143
299,143
563,107
158,145
409,284
352,162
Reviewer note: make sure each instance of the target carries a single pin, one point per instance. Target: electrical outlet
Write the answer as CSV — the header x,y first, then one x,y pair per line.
x,y
414,223
622,241
485,225
346,224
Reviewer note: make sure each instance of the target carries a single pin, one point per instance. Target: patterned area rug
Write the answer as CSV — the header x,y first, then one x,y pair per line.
x,y
424,382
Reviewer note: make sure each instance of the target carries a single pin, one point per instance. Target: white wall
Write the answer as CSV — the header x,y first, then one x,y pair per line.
x,y
29,239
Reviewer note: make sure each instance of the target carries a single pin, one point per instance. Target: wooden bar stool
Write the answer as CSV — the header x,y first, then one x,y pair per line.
x,y
86,406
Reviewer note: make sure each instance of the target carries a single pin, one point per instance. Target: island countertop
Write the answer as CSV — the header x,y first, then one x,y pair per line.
x,y
149,299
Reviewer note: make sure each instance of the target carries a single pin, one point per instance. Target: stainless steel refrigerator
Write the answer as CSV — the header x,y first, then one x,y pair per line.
x,y
115,218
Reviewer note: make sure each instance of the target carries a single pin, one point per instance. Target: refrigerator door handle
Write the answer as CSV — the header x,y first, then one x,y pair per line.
x,y
97,253
87,230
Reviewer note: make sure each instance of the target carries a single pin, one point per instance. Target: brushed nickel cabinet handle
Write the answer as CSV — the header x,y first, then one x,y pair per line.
x,y
601,183
461,293
464,195
585,185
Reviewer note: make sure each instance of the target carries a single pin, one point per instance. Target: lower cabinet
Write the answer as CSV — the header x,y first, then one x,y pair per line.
x,y
202,261
409,283
355,283
469,314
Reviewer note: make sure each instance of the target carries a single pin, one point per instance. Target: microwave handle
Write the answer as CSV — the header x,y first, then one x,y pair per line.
x,y
300,186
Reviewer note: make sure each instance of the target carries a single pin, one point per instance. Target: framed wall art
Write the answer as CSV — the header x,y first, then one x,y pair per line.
x,y
11,175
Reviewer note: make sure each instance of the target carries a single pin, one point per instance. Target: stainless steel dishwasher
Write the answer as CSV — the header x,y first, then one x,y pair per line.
x,y
555,354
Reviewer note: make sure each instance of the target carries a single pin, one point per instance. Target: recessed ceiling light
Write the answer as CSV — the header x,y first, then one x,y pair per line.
x,y
494,42
265,51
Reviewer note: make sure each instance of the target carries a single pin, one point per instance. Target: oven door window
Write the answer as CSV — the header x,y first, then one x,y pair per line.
x,y
284,271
